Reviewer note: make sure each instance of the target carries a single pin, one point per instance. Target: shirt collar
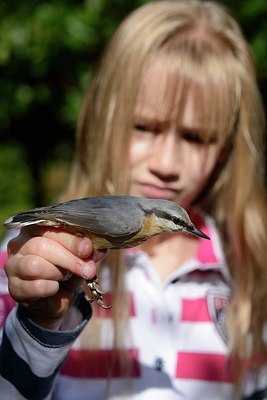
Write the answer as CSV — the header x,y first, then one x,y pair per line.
x,y
209,255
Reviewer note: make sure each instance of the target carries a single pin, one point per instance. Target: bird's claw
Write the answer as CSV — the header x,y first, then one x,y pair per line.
x,y
96,293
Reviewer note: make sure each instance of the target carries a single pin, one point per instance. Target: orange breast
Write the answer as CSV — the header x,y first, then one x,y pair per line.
x,y
150,228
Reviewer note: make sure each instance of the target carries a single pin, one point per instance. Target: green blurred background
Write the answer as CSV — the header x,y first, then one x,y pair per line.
x,y
47,52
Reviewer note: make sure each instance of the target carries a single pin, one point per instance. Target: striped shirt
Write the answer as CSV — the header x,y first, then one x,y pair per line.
x,y
175,342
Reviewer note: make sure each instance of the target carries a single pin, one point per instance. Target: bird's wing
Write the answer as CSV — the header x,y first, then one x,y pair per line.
x,y
113,217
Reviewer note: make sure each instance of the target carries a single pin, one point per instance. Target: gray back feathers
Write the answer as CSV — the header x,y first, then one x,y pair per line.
x,y
112,215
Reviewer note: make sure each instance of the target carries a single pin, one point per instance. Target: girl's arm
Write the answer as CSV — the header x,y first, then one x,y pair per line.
x,y
45,269
31,356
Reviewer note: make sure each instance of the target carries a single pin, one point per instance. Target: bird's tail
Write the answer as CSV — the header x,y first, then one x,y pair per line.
x,y
22,219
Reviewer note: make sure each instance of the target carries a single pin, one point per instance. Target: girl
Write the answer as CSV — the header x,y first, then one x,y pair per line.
x,y
173,112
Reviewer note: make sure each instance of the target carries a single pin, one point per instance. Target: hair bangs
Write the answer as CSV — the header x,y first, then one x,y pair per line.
x,y
211,82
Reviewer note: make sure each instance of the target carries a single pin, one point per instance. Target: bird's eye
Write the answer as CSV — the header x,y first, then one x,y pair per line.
x,y
179,221
175,220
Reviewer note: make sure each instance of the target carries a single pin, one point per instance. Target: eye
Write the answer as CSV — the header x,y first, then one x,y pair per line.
x,y
142,128
176,220
198,136
192,137
147,127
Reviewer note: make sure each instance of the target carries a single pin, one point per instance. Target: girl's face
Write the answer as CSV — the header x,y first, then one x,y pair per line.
x,y
169,159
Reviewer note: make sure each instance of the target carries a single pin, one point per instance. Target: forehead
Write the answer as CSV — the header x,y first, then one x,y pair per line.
x,y
156,93
172,88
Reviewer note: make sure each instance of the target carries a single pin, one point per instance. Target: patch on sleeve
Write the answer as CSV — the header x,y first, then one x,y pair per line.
x,y
218,301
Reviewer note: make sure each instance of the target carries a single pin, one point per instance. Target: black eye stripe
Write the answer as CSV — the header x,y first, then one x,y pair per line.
x,y
176,220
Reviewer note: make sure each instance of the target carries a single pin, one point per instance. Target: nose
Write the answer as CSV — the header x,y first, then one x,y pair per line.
x,y
164,157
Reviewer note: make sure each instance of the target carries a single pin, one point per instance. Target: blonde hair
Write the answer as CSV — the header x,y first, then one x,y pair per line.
x,y
206,50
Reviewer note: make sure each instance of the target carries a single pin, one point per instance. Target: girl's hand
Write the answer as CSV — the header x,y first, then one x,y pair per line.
x,y
45,267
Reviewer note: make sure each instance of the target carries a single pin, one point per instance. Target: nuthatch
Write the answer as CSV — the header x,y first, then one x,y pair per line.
x,y
111,222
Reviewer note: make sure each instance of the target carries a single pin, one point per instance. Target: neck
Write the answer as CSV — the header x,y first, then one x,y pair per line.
x,y
170,251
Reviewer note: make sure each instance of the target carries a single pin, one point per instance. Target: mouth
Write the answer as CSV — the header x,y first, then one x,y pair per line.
x,y
156,191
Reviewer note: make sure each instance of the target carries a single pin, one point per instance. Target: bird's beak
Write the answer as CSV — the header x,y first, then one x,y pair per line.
x,y
198,233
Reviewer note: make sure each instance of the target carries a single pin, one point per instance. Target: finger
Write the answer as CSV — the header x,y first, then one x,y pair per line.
x,y
32,267
30,291
81,246
100,255
58,255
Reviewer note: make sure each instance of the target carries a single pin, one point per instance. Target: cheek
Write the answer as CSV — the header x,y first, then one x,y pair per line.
x,y
201,165
138,152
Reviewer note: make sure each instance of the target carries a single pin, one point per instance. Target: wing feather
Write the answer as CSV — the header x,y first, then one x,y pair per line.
x,y
113,216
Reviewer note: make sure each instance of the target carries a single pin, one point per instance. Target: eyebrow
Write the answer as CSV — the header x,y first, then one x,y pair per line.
x,y
199,130
151,116
153,120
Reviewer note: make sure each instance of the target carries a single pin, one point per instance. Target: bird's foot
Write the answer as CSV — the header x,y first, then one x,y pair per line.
x,y
96,293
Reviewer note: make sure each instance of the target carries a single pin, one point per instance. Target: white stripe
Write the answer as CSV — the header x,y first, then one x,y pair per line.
x,y
42,360
152,386
8,391
255,380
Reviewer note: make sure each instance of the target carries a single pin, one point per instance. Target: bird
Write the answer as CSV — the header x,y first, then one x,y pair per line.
x,y
111,222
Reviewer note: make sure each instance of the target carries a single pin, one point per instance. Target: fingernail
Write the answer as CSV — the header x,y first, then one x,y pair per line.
x,y
84,248
87,269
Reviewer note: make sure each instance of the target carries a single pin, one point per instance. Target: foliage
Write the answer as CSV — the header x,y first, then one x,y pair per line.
x,y
252,16
45,51
16,184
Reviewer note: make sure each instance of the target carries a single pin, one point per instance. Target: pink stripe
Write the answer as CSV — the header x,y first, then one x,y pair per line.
x,y
107,313
205,253
154,316
131,250
6,305
195,310
204,367
3,258
102,363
